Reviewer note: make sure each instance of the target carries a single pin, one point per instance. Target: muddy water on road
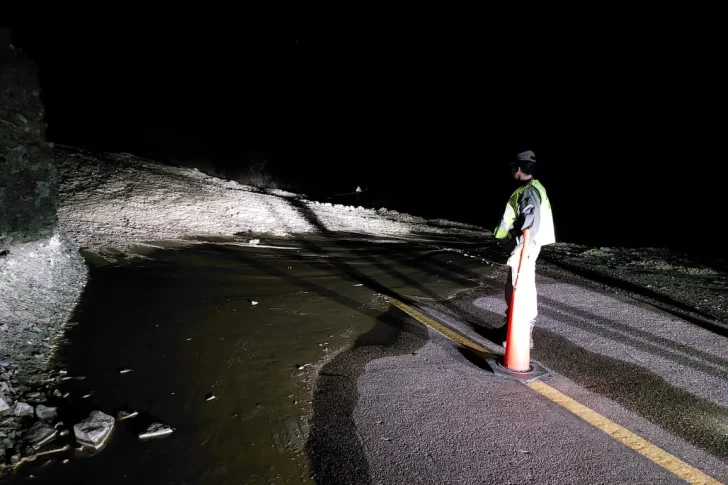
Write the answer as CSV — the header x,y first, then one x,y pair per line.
x,y
247,325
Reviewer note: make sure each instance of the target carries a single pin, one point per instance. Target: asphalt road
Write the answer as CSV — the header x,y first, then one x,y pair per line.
x,y
421,408
386,398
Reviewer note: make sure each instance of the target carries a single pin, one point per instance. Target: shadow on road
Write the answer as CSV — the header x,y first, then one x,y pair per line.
x,y
624,334
639,390
334,445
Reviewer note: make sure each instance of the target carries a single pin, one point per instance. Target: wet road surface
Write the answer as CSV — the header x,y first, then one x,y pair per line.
x,y
323,377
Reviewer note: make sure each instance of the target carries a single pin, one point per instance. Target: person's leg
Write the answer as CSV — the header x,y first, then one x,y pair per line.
x,y
529,297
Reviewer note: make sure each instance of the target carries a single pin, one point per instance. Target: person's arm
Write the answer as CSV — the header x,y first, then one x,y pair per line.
x,y
529,212
506,224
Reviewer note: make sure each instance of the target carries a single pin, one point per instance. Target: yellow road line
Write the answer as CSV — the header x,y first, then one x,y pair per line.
x,y
669,462
657,455
437,326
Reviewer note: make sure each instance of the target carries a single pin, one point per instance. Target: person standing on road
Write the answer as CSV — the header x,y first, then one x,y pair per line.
x,y
528,208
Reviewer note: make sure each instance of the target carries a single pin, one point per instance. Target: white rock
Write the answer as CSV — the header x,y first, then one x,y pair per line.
x,y
94,430
254,241
46,413
24,410
3,405
156,430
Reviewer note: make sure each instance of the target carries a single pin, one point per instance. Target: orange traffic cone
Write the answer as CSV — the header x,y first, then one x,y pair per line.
x,y
518,352
516,364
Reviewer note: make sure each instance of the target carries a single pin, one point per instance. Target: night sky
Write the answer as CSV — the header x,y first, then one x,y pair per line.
x,y
624,121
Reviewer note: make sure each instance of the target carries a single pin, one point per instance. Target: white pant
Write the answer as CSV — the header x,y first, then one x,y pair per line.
x,y
526,294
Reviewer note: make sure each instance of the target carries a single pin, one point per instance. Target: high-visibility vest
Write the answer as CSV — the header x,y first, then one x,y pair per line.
x,y
545,234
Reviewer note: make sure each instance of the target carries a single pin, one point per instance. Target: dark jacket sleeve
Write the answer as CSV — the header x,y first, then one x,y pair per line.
x,y
529,212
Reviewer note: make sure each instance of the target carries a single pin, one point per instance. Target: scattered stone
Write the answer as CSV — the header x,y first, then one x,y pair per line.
x,y
64,433
210,397
66,395
86,396
254,241
6,389
66,461
57,393
156,430
15,459
3,405
39,434
4,363
59,424
94,430
56,449
24,410
359,284
253,302
46,413
36,398
125,371
71,378
126,414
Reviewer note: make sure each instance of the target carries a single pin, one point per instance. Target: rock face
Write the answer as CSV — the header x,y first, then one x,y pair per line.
x,y
28,173
41,271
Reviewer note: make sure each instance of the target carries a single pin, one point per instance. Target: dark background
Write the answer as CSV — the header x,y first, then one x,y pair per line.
x,y
625,119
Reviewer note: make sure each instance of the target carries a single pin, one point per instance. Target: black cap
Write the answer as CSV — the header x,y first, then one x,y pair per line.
x,y
527,156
